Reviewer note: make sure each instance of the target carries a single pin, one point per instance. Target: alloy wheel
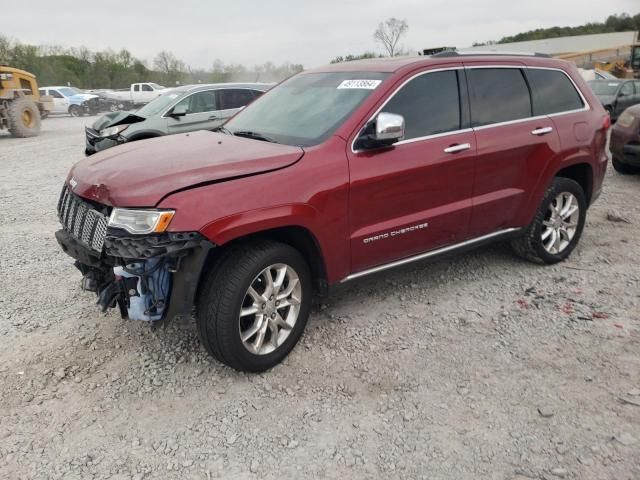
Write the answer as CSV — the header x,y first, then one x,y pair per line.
x,y
270,309
560,223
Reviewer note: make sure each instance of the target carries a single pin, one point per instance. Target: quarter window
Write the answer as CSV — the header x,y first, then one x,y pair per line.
x,y
552,92
430,104
498,95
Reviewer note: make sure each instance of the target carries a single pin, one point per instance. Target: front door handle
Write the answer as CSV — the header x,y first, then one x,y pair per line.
x,y
461,147
213,117
541,131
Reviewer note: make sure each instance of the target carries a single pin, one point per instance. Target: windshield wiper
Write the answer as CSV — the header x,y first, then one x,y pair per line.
x,y
254,135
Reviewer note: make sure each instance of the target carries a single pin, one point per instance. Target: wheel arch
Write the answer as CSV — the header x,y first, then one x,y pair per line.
x,y
144,135
581,173
297,236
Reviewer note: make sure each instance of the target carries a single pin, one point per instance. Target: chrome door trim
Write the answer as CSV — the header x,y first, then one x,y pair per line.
x,y
207,90
490,125
388,99
430,254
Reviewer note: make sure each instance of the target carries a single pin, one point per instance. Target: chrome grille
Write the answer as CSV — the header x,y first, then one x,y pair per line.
x,y
81,220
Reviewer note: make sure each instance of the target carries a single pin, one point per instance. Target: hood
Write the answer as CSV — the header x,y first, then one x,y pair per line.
x,y
140,174
81,97
116,118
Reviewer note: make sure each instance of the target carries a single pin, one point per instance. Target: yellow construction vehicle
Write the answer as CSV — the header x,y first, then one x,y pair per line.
x,y
21,107
622,61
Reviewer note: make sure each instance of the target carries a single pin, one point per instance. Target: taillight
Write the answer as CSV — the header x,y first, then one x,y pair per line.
x,y
606,125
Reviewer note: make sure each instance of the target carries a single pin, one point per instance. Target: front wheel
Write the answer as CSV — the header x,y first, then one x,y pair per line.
x,y
557,226
254,304
75,111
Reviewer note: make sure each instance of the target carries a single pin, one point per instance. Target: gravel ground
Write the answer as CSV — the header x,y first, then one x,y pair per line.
x,y
477,367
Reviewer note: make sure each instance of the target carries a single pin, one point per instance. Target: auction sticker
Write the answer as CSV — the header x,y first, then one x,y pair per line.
x,y
362,84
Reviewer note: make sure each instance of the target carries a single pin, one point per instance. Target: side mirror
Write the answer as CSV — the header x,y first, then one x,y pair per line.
x,y
178,111
622,94
383,131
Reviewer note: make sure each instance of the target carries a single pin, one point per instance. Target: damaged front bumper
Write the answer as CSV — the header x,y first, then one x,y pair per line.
x,y
148,277
95,143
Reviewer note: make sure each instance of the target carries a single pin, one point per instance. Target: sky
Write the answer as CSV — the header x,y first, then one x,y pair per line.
x,y
309,33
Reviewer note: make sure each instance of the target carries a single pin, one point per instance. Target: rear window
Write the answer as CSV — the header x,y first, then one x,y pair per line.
x,y
498,95
430,104
552,92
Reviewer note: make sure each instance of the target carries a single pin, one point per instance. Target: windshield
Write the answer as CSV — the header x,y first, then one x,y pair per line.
x,y
68,91
158,104
604,88
306,109
156,86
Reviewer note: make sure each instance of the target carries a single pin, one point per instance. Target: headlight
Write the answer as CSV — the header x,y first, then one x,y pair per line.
x,y
113,131
140,222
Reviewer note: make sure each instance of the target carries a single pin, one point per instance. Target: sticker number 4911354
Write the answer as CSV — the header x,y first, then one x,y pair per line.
x,y
362,84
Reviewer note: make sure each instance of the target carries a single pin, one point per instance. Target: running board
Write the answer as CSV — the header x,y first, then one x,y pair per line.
x,y
474,242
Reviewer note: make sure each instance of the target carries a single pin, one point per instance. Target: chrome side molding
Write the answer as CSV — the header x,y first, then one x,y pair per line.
x,y
431,254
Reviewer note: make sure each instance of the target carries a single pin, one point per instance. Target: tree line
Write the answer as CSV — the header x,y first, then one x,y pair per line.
x,y
614,23
83,68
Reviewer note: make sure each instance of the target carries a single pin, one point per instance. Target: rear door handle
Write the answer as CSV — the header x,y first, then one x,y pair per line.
x,y
213,117
541,131
461,147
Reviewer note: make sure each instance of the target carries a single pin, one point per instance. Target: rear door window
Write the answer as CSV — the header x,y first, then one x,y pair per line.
x,y
430,104
552,92
498,95
231,98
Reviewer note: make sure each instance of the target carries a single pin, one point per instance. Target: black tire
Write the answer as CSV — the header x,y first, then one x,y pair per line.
x,y
623,168
75,111
24,118
223,291
609,110
530,245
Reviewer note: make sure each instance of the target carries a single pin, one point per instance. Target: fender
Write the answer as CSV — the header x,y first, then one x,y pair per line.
x,y
144,134
575,157
238,225
334,259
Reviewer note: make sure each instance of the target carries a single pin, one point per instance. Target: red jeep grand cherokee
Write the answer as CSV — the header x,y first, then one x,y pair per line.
x,y
336,173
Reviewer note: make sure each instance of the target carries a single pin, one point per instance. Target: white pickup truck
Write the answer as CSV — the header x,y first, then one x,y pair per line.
x,y
137,94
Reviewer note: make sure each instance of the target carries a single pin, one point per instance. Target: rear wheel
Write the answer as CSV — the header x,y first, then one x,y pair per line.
x,y
254,304
557,226
623,167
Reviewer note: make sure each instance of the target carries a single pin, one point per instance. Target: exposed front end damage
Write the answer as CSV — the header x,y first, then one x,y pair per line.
x,y
150,277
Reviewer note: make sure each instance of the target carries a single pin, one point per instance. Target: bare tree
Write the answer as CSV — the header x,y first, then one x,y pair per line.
x,y
389,33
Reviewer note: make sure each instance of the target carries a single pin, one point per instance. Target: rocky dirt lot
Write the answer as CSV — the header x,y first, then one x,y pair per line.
x,y
477,367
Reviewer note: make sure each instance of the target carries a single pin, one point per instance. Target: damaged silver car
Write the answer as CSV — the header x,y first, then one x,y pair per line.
x,y
182,109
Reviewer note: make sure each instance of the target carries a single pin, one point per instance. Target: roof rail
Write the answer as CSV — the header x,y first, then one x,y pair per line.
x,y
488,52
